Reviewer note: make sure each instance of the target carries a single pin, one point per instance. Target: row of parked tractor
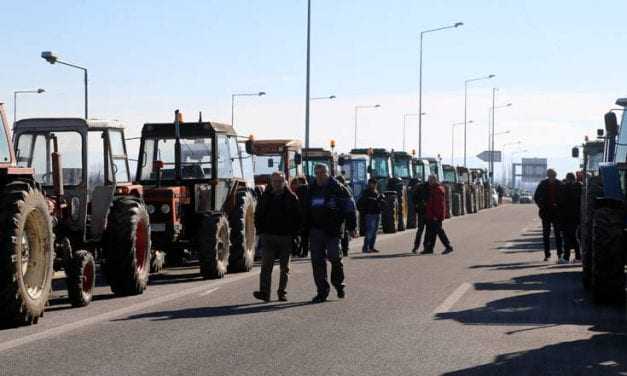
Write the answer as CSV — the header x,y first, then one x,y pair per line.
x,y
71,202
602,226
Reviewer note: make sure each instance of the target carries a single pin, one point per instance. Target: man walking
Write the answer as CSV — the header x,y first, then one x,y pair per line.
x,y
421,195
329,204
547,197
346,237
370,205
435,212
569,216
278,219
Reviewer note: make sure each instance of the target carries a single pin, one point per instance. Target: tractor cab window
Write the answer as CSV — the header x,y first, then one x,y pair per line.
x,y
97,159
267,164
34,151
235,157
450,176
291,160
195,158
593,160
248,163
401,168
380,167
621,145
5,155
118,155
225,159
419,171
316,161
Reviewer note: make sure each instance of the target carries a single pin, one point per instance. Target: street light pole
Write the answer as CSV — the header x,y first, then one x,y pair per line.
x,y
15,93
52,59
466,111
307,86
457,24
233,96
357,108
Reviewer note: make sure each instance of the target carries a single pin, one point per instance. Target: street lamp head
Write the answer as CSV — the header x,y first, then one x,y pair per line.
x,y
470,121
492,76
39,91
261,93
423,113
49,56
508,105
377,105
332,97
458,24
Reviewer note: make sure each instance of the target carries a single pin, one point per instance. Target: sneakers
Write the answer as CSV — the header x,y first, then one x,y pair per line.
x,y
365,251
319,299
283,298
261,296
546,258
341,294
447,250
373,250
414,251
427,252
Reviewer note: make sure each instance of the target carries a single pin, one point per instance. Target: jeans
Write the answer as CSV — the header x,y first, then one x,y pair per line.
x,y
274,246
569,231
372,226
323,247
546,235
435,228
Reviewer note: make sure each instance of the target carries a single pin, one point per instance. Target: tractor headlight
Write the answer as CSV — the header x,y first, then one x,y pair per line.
x,y
151,209
165,208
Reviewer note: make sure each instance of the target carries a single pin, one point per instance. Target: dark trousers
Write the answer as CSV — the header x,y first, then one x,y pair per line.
x,y
547,222
346,239
420,228
323,247
569,231
275,246
435,228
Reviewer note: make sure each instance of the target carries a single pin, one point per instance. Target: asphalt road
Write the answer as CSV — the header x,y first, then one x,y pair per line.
x,y
491,307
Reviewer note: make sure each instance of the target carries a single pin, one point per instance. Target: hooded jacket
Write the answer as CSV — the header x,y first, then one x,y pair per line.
x,y
328,207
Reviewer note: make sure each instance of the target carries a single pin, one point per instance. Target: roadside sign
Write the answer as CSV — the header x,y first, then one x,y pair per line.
x,y
485,155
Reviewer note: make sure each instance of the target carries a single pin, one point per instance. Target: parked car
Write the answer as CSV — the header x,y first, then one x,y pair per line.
x,y
525,198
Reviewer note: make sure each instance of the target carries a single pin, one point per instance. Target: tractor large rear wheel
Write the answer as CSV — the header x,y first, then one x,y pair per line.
x,y
127,247
213,246
608,263
592,190
389,216
26,256
242,224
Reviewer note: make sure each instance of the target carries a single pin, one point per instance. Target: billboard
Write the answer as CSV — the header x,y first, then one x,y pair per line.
x,y
533,169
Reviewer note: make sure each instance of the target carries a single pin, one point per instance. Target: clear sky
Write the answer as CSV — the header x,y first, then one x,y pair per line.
x,y
557,62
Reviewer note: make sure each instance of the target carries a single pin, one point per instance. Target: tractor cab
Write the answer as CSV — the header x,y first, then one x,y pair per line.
x,y
277,155
199,186
314,156
354,169
449,175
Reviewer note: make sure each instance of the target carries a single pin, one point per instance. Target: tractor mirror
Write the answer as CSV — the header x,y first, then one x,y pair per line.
x,y
298,158
599,133
270,163
575,152
157,165
340,161
611,125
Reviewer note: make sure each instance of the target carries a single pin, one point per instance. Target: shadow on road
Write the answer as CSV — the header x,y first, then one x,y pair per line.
x,y
381,256
228,310
552,299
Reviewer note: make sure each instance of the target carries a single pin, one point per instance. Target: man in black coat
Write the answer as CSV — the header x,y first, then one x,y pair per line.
x,y
548,197
370,206
421,195
329,205
278,219
570,215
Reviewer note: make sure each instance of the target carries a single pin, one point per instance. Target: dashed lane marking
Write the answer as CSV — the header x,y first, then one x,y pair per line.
x,y
449,302
208,292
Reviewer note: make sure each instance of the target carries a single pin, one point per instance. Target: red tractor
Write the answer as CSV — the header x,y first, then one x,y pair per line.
x,y
199,188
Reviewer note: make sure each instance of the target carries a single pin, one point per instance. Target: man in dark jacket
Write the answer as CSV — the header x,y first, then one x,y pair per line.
x,y
329,204
547,197
421,195
346,237
278,218
569,216
370,205
435,212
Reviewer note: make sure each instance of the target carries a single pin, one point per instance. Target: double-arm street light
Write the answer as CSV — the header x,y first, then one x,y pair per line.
x,y
233,96
356,109
405,116
466,110
453,138
330,97
50,57
422,33
15,93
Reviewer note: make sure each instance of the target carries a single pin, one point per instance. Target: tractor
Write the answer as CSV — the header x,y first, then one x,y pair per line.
x,y
605,259
354,169
277,155
379,167
402,171
591,190
314,156
98,214
26,260
470,190
199,190
451,181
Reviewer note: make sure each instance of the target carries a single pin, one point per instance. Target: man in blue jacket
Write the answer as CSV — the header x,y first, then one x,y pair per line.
x,y
329,204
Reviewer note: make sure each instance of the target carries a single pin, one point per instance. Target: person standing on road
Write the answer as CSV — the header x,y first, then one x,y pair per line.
x,y
370,205
346,237
329,204
499,192
278,219
435,212
547,197
570,216
421,195
301,188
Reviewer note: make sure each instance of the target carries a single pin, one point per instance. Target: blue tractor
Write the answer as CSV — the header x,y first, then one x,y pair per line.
x,y
607,277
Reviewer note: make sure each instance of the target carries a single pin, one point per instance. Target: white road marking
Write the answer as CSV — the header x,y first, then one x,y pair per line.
x,y
208,292
449,302
63,329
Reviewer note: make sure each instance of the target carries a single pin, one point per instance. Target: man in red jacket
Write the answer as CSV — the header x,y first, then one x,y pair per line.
x,y
434,214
